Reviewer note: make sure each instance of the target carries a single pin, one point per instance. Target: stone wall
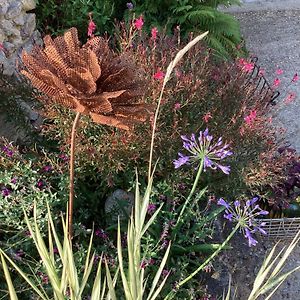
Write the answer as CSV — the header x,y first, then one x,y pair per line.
x,y
17,32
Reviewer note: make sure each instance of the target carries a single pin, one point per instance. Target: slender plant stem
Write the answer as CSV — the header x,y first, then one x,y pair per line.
x,y
172,293
72,160
191,192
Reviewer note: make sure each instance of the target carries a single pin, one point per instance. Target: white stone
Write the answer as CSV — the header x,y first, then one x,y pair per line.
x,y
28,4
9,47
8,28
2,36
14,10
19,20
3,7
29,25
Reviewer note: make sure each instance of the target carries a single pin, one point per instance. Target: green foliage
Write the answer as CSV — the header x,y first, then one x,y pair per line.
x,y
55,16
219,95
195,16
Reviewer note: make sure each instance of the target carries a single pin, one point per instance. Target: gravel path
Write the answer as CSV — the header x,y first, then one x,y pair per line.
x,y
271,29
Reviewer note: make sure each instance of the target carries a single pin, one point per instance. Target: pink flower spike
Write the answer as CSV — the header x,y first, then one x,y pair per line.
x,y
154,33
295,78
276,82
138,23
91,28
1,47
279,71
159,75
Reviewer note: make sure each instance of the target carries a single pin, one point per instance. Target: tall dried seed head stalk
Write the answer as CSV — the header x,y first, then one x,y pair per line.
x,y
91,79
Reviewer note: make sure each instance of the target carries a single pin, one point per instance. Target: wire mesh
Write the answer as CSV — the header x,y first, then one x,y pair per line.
x,y
283,228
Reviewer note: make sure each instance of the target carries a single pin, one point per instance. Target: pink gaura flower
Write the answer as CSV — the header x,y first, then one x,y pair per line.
x,y
159,75
138,23
177,106
290,98
295,78
91,28
251,117
276,82
279,71
154,33
206,117
242,62
248,67
261,72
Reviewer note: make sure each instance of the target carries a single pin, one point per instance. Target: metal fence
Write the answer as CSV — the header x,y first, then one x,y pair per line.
x,y
263,87
279,229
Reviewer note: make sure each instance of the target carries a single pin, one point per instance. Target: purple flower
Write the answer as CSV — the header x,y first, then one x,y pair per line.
x,y
5,192
40,184
47,168
101,233
129,5
221,201
151,209
202,149
245,216
251,240
13,180
182,160
8,151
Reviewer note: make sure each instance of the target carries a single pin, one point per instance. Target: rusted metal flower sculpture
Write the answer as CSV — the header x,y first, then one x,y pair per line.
x,y
91,80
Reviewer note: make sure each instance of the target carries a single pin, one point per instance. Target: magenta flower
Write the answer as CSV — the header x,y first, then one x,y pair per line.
x,y
295,78
5,192
279,71
159,75
177,106
248,67
101,233
138,23
251,117
276,82
201,148
8,151
91,28
151,209
245,215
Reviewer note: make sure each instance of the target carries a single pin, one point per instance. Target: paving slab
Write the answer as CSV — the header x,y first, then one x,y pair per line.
x,y
271,29
272,33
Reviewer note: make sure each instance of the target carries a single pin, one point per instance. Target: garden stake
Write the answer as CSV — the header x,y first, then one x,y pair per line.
x,y
71,193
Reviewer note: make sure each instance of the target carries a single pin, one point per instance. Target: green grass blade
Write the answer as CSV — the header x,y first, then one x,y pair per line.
x,y
158,273
25,277
111,289
11,289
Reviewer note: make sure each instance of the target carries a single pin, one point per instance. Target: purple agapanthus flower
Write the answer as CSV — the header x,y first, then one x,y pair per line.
x,y
245,215
202,149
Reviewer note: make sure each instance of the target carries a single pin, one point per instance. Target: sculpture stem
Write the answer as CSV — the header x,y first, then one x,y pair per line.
x,y
72,160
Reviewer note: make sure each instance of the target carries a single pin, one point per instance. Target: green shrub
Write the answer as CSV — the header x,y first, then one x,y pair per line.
x,y
203,93
56,16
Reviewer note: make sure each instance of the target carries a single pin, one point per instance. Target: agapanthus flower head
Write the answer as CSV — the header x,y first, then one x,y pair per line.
x,y
129,5
245,215
202,148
